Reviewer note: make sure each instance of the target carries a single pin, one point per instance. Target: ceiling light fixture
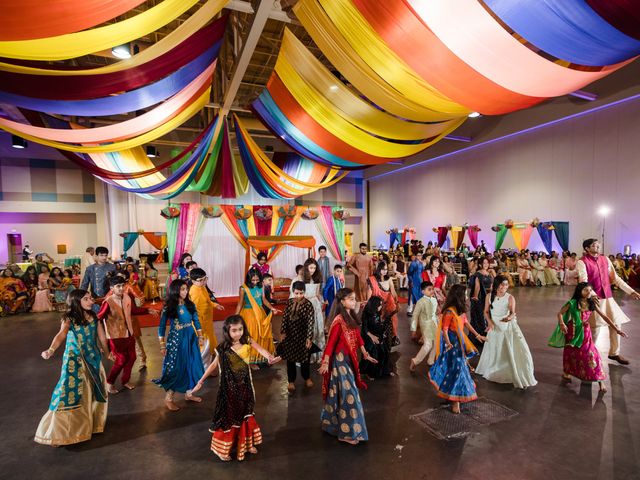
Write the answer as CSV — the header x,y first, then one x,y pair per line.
x,y
18,142
474,115
122,51
152,152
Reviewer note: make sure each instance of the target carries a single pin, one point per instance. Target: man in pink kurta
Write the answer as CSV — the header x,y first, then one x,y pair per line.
x,y
599,272
361,265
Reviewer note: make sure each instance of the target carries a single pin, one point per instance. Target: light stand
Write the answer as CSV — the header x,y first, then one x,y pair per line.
x,y
603,211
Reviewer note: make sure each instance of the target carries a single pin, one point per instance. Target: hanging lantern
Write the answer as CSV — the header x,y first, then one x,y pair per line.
x,y
287,211
508,223
263,214
495,228
211,211
310,214
343,215
243,213
170,212
535,222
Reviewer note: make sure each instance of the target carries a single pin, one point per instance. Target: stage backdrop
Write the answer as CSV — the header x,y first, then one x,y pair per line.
x,y
562,172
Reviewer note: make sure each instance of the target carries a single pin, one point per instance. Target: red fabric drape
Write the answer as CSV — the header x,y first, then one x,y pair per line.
x,y
442,235
263,227
473,235
93,86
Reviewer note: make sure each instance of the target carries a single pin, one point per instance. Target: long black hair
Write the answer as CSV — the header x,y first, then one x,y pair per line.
x,y
173,300
184,255
432,260
75,313
253,272
226,337
350,316
496,283
577,295
382,265
317,275
456,298
371,309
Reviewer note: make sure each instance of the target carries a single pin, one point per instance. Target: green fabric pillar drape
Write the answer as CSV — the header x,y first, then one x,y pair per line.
x,y
338,226
500,236
172,234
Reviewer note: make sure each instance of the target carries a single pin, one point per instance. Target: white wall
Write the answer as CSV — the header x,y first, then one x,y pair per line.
x,y
562,172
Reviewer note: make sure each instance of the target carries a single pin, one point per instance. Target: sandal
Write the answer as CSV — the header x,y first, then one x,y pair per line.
x,y
168,401
191,398
348,440
224,459
455,409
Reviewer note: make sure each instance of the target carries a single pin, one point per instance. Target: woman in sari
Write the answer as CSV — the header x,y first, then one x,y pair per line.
x,y
78,407
450,373
524,271
13,293
342,414
570,270
537,271
379,285
30,281
580,357
550,275
58,286
42,303
250,301
150,286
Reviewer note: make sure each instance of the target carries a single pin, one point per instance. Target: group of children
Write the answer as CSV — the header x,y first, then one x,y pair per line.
x,y
357,344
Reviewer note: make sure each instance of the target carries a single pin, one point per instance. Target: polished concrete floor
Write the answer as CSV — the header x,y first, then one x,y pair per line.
x,y
562,432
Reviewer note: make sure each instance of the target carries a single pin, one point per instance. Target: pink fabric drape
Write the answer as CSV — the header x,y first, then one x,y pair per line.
x,y
442,235
263,227
473,235
327,231
521,236
187,230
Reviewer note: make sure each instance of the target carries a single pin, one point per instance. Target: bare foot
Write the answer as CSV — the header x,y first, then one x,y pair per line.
x,y
566,377
224,459
603,389
349,441
412,366
111,389
455,407
129,386
291,387
192,398
253,450
171,406
255,367
309,383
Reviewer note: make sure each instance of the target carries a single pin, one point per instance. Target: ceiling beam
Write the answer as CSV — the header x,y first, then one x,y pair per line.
x,y
242,6
259,21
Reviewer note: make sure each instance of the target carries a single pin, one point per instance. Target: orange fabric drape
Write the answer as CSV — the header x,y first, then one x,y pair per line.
x,y
266,242
157,239
30,19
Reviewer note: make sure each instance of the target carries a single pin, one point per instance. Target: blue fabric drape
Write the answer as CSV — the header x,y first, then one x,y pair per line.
x,y
546,236
129,239
567,29
562,234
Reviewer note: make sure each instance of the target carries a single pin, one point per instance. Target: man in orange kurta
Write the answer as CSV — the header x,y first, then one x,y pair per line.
x,y
361,265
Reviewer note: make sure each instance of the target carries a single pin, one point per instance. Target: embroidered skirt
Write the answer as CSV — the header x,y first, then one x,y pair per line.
x,y
342,415
242,438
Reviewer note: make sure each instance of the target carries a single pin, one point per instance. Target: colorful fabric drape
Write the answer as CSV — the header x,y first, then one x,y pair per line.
x,y
129,239
500,236
568,29
622,14
546,236
394,237
521,233
172,234
102,38
263,226
190,222
157,239
104,81
457,236
338,227
562,234
325,225
442,235
473,235
29,19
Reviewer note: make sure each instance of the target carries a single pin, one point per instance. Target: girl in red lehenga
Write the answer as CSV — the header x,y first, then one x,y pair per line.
x,y
380,285
234,425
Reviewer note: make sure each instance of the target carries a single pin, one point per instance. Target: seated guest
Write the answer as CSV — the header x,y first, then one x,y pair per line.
x,y
13,292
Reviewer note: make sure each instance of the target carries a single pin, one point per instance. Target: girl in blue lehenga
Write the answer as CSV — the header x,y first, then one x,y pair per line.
x,y
78,406
450,373
342,414
182,366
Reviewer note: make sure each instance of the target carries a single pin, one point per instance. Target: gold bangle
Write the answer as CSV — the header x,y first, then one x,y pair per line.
x,y
51,350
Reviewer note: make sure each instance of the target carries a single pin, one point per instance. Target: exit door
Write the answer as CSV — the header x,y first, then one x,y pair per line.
x,y
14,241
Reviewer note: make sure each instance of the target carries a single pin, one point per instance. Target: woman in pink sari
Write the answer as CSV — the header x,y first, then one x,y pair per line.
x,y
580,357
524,271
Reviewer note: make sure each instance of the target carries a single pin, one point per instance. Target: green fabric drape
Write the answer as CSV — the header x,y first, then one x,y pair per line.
x,y
172,233
338,226
500,236
558,339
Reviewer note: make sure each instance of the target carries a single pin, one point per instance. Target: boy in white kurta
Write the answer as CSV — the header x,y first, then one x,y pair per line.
x,y
425,314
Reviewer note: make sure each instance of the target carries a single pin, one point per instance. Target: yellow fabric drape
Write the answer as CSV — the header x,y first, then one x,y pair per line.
x,y
324,113
74,45
288,230
184,31
327,89
401,93
126,144
278,176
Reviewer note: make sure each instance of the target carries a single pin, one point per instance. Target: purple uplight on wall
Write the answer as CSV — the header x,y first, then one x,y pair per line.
x,y
510,135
